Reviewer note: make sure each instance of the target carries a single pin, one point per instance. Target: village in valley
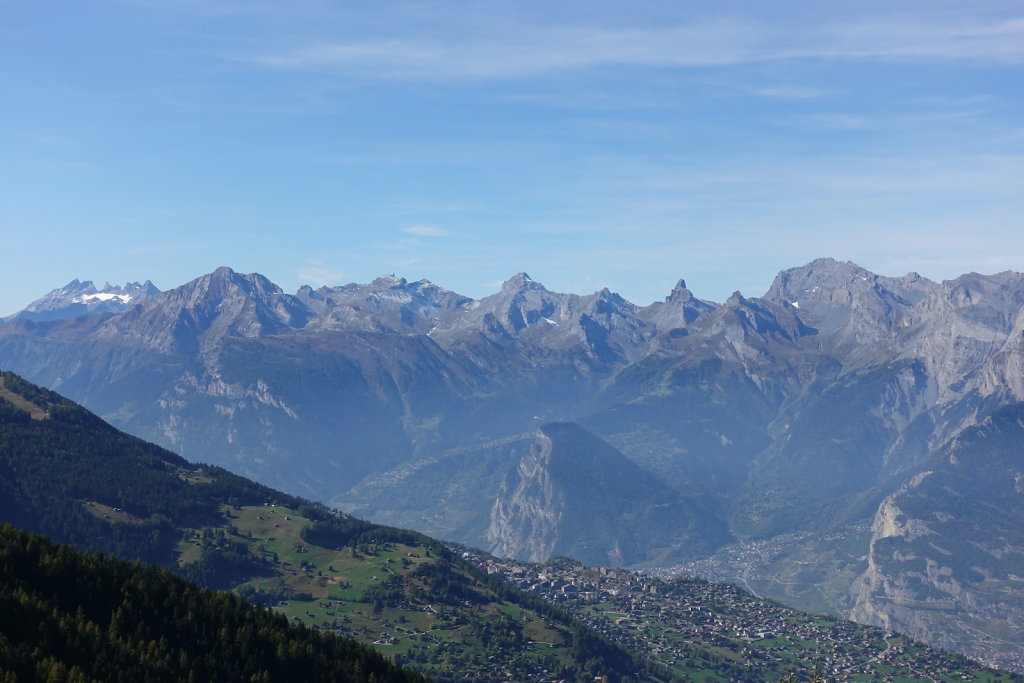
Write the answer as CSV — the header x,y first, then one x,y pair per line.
x,y
690,625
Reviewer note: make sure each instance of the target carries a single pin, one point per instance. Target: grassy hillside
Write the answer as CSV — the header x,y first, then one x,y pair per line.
x,y
407,594
77,617
67,474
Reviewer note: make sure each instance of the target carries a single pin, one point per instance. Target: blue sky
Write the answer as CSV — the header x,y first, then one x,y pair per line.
x,y
589,144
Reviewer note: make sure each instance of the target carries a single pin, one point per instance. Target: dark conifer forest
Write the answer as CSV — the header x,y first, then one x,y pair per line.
x,y
71,616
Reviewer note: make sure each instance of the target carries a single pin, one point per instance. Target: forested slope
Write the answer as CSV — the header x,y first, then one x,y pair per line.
x,y
66,473
71,616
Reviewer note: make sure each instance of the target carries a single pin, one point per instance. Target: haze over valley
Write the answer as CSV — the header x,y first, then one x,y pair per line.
x,y
813,421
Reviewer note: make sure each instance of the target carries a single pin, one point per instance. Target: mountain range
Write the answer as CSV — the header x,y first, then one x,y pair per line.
x,y
825,419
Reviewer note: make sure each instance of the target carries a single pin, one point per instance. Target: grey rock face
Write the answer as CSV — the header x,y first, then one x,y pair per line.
x,y
573,494
679,310
528,509
196,317
388,304
947,549
859,314
601,329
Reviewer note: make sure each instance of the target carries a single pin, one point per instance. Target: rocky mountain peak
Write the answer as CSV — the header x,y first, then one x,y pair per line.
x,y
825,285
817,280
388,281
520,282
608,299
76,286
198,314
736,299
745,322
1001,290
522,303
146,288
679,309
224,279
80,298
680,293
859,313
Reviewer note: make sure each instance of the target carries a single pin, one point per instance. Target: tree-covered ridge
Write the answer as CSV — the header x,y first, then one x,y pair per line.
x,y
16,387
35,411
77,479
52,470
70,616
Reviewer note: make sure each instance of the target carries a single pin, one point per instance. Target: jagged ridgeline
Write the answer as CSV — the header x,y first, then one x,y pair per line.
x,y
769,431
77,617
66,473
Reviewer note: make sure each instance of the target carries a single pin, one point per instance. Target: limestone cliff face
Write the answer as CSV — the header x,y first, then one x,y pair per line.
x,y
886,599
573,494
528,508
966,335
946,557
967,332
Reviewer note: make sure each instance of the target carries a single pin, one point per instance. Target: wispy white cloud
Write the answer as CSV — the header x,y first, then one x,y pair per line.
x,y
424,231
525,50
427,207
404,244
318,272
589,99
913,118
951,101
953,39
835,121
513,50
788,91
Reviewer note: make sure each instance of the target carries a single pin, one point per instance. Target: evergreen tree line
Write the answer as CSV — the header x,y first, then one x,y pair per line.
x,y
51,468
70,616
331,530
223,562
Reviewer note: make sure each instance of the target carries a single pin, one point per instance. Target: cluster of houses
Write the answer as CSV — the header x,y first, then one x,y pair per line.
x,y
677,620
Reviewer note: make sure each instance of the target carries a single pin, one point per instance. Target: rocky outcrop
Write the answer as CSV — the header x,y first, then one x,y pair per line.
x,y
388,304
677,312
573,494
600,330
946,558
890,526
528,508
